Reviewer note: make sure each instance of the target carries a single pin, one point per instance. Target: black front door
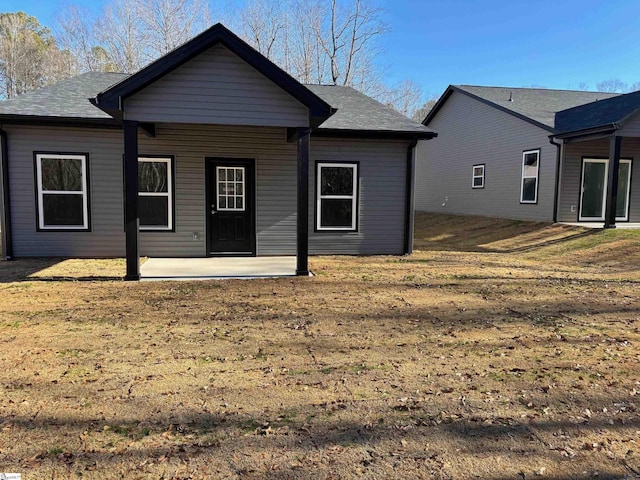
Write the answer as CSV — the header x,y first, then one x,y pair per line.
x,y
230,206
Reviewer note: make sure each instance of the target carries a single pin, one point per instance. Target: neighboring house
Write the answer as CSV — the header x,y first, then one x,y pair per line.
x,y
532,154
212,150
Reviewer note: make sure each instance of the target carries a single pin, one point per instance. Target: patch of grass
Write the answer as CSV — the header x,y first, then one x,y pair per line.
x,y
495,343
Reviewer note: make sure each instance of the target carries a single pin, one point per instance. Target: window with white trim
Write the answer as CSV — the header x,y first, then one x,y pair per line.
x,y
155,193
337,196
63,200
530,168
477,180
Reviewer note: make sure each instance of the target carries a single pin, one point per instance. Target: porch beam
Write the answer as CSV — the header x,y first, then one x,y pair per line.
x,y
149,129
302,254
131,199
612,182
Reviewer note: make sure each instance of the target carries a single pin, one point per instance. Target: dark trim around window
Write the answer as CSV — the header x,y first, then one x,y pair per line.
x,y
316,199
172,197
522,177
86,194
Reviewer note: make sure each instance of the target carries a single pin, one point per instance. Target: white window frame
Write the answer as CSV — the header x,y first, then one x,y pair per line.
x,y
523,177
41,192
474,176
235,195
168,193
353,197
601,218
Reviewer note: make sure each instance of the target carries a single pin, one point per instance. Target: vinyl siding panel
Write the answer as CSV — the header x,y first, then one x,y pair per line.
x,y
631,127
189,144
571,178
216,87
470,133
382,172
104,147
276,185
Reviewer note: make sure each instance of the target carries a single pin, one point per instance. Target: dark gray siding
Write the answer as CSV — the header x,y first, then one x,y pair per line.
x,y
631,127
190,144
382,171
216,87
470,133
104,147
381,201
572,175
276,184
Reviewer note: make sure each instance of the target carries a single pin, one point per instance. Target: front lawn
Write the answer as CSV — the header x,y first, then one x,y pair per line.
x,y
499,350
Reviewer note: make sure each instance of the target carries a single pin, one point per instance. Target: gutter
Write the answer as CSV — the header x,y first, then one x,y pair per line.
x,y
5,211
409,213
557,183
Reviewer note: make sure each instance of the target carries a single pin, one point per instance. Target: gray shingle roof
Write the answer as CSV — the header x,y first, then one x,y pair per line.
x,y
597,114
538,104
70,99
357,111
67,98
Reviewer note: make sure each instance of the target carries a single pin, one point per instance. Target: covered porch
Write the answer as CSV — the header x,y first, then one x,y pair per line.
x,y
598,184
235,128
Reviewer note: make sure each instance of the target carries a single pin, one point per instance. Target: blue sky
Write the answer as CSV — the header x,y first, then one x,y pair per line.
x,y
435,43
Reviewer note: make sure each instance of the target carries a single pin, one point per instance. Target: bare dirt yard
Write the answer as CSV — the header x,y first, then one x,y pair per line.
x,y
498,350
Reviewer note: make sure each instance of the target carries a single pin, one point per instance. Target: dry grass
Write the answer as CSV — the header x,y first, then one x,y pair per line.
x,y
501,350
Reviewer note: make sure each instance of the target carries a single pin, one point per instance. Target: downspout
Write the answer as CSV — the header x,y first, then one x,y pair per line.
x,y
5,211
557,177
409,214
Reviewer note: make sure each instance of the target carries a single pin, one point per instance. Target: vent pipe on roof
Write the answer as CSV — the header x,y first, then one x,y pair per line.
x,y
511,96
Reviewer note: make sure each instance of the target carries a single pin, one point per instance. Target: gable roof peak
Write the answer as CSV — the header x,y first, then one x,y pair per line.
x,y
110,100
537,106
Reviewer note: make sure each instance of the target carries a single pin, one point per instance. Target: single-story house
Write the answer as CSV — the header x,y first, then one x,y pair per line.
x,y
212,150
532,154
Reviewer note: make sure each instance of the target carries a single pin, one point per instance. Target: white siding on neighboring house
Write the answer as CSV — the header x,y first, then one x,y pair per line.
x,y
216,87
471,133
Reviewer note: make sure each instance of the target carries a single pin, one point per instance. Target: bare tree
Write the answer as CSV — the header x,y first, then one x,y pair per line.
x,y
122,36
421,113
303,56
613,85
75,34
264,25
634,87
406,97
29,56
170,23
348,37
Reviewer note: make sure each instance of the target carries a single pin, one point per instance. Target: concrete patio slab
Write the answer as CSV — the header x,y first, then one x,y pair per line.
x,y
621,225
217,268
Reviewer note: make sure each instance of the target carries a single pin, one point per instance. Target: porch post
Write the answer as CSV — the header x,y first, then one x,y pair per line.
x,y
131,198
302,254
612,182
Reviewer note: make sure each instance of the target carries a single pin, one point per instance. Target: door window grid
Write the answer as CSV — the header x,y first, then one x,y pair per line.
x,y
230,191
